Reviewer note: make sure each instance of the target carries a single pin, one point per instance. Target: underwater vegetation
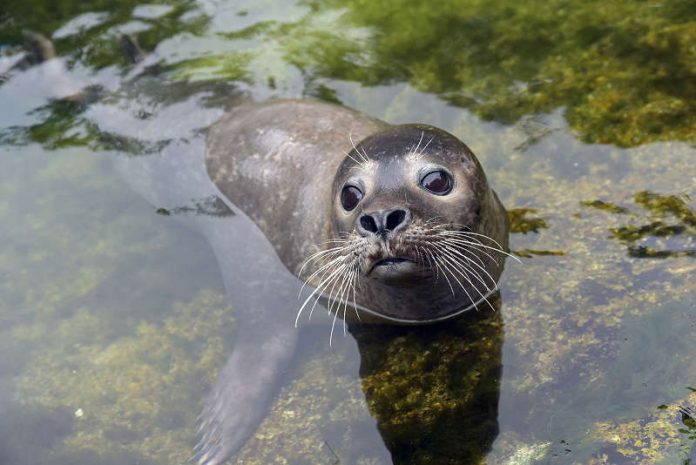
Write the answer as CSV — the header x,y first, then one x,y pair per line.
x,y
625,72
668,216
130,397
434,392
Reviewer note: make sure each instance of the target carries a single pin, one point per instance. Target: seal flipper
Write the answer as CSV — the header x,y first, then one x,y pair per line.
x,y
263,293
242,394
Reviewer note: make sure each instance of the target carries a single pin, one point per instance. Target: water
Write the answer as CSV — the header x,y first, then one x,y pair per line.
x,y
113,320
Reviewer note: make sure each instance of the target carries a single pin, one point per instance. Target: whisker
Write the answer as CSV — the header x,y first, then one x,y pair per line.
x,y
337,301
446,260
427,144
340,291
350,278
358,162
464,231
319,289
419,250
356,283
322,269
437,266
363,154
337,279
482,268
463,272
315,256
414,151
428,239
457,236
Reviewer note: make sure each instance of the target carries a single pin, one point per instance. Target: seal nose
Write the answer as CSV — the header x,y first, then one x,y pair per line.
x,y
382,222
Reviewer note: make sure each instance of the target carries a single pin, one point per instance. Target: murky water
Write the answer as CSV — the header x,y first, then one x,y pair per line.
x,y
113,318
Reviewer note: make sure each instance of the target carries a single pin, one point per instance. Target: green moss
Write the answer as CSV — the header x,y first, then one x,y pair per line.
x,y
434,391
665,437
660,209
623,71
605,206
227,66
521,223
138,393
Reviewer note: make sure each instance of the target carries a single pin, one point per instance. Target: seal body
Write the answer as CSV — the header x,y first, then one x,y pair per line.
x,y
289,164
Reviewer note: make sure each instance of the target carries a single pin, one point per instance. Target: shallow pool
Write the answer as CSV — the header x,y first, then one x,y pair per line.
x,y
113,315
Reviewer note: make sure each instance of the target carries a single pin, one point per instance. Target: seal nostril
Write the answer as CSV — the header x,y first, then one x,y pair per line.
x,y
395,218
368,223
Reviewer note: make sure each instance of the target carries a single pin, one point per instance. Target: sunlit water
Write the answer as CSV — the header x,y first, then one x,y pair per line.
x,y
113,317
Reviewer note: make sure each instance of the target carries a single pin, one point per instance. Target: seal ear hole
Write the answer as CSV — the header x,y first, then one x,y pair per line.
x,y
350,197
438,182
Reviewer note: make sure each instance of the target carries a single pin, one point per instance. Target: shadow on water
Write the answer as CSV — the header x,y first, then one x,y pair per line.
x,y
434,391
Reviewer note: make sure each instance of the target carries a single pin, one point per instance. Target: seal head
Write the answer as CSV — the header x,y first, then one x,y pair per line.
x,y
417,235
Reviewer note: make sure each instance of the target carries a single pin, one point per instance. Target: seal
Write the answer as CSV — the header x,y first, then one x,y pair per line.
x,y
385,224
408,208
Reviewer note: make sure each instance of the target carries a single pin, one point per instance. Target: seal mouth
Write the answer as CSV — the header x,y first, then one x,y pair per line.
x,y
393,268
390,261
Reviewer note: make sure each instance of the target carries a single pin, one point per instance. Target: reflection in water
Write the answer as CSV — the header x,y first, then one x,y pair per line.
x,y
623,76
666,229
434,390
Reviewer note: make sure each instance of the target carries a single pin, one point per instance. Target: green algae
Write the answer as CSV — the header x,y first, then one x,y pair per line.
x,y
434,392
115,379
131,394
228,66
602,205
623,72
667,216
520,222
664,437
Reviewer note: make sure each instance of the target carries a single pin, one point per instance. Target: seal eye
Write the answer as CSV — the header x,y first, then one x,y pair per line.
x,y
438,182
350,197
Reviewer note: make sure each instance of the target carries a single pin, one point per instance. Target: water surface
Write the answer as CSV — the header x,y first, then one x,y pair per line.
x,y
113,319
